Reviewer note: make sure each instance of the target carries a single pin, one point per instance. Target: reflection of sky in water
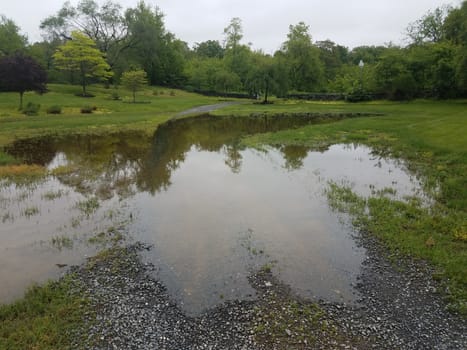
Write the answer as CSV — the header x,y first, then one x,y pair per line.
x,y
218,215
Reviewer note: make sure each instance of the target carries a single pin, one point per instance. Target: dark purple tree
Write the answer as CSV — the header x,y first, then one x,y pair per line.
x,y
20,73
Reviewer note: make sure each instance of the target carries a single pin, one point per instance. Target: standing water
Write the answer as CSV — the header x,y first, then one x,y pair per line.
x,y
212,211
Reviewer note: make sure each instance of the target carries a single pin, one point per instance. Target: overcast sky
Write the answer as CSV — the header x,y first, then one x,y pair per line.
x,y
265,23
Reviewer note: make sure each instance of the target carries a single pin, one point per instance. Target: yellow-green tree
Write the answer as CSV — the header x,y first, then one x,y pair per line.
x,y
134,80
81,55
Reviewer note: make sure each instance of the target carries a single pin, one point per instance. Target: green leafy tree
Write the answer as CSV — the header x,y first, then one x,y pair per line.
x,y
333,57
429,28
20,73
81,55
157,51
305,67
104,24
134,80
233,34
10,38
393,76
455,25
262,76
210,49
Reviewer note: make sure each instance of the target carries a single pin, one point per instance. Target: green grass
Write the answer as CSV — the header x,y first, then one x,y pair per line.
x,y
44,319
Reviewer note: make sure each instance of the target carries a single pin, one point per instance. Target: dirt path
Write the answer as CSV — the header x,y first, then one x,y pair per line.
x,y
205,109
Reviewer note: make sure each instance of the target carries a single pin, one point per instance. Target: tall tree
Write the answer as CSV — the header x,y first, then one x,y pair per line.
x,y
233,33
455,25
429,28
104,24
157,51
333,57
19,73
305,67
81,55
10,38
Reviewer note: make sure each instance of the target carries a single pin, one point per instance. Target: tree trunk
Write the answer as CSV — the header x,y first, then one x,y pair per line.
x,y
134,96
266,92
21,93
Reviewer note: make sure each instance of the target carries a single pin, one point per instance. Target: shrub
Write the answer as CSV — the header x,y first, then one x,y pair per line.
x,y
115,96
87,109
87,94
31,108
54,110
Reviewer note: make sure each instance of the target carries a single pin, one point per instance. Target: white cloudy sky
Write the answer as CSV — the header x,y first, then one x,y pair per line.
x,y
265,23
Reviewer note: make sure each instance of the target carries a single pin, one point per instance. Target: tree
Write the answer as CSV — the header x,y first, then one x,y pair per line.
x,y
210,49
10,38
19,73
233,33
430,28
134,80
157,51
104,24
393,76
305,67
262,76
333,57
455,25
81,55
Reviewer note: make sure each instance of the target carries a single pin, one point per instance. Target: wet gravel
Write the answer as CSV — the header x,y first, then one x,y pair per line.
x,y
399,308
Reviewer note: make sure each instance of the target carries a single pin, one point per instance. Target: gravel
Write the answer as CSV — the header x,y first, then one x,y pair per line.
x,y
399,308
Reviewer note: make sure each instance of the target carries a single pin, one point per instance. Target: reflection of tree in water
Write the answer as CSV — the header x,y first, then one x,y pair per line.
x,y
39,150
294,156
123,163
234,158
173,140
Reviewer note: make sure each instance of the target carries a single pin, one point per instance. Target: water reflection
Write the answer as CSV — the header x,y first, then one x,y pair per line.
x,y
212,209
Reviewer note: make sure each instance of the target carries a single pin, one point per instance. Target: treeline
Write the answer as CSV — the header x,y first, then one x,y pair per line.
x,y
433,64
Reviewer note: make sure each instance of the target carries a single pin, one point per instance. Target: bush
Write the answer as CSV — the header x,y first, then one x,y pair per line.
x,y
31,109
87,94
54,110
87,109
115,96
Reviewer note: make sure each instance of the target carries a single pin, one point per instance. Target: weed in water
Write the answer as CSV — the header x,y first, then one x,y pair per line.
x,y
88,206
52,195
31,211
61,242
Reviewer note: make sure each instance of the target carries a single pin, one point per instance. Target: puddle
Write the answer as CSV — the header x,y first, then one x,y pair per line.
x,y
212,210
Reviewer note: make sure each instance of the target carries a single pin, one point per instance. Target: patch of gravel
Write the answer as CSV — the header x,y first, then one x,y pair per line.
x,y
398,309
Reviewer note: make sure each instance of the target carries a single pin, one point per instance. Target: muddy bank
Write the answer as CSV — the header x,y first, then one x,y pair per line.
x,y
399,308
